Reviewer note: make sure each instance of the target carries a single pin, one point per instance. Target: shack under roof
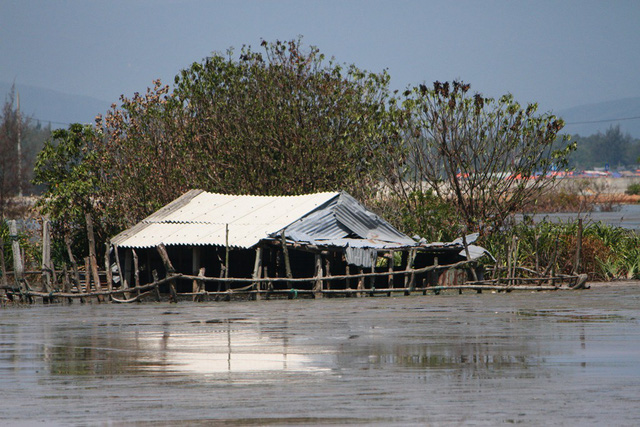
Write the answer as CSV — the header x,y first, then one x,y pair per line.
x,y
202,218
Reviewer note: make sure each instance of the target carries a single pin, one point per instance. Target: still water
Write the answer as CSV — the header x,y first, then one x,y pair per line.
x,y
565,357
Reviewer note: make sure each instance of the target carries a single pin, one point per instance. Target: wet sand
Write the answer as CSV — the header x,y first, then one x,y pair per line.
x,y
568,358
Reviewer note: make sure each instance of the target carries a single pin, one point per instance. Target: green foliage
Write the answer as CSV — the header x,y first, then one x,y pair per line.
x,y
63,168
608,252
633,189
277,122
428,216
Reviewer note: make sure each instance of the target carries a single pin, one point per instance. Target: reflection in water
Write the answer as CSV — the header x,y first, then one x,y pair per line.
x,y
412,360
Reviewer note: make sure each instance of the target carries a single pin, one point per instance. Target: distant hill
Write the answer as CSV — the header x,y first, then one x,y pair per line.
x,y
57,108
601,113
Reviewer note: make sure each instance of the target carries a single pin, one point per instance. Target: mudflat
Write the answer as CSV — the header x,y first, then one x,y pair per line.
x,y
541,358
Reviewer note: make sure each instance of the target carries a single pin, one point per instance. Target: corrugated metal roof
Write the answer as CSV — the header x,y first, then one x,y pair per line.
x,y
200,218
345,217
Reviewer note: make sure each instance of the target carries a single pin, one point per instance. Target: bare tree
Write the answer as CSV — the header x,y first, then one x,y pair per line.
x,y
486,157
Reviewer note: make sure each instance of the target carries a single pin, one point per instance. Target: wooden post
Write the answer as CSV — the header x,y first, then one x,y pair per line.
x,y
18,266
93,260
3,268
317,288
226,253
170,270
74,265
226,260
390,261
201,287
411,284
46,256
123,282
195,267
360,283
154,275
87,275
327,270
287,261
107,267
435,275
257,270
576,265
66,283
348,281
136,270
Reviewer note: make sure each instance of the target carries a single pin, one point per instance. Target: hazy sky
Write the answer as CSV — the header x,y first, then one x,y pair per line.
x,y
558,53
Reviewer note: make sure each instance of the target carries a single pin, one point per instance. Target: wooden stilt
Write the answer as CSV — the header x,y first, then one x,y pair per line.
x,y
390,268
576,265
257,272
170,270
360,283
3,269
124,284
74,265
46,256
107,267
136,270
154,274
287,261
93,260
18,266
317,288
327,271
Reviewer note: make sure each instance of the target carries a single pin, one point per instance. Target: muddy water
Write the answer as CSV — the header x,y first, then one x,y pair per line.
x,y
568,358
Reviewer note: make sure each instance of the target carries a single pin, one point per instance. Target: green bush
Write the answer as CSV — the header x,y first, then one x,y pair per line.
x,y
633,189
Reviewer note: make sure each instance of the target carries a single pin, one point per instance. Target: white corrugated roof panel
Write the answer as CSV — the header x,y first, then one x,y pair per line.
x,y
202,220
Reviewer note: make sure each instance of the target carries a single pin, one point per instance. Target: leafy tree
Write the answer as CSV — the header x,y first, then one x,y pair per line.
x,y
487,157
63,168
280,121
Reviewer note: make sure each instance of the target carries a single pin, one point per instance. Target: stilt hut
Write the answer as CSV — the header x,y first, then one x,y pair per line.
x,y
319,244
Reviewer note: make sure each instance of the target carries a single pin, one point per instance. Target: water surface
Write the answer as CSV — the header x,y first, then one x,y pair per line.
x,y
536,358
